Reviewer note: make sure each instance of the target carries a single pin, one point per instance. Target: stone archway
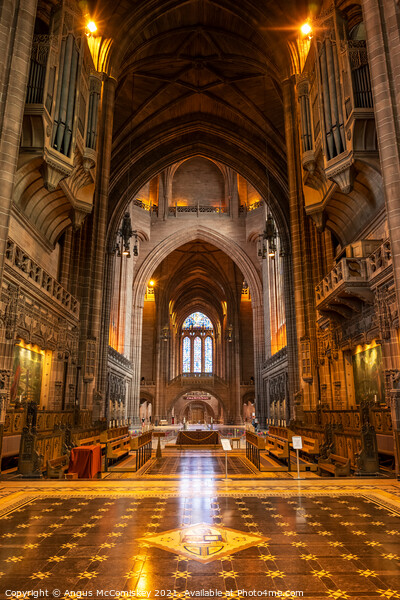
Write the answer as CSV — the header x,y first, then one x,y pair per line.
x,y
198,412
145,409
197,405
239,256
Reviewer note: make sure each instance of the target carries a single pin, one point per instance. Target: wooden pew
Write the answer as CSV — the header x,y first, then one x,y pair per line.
x,y
57,467
113,433
117,448
281,432
339,466
279,448
310,446
91,441
142,446
254,445
276,436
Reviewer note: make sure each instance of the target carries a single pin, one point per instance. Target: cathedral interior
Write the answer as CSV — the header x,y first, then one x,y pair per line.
x,y
199,301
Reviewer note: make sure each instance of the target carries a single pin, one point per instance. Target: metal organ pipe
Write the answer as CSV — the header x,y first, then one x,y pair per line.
x,y
338,97
59,87
326,104
66,75
333,97
71,102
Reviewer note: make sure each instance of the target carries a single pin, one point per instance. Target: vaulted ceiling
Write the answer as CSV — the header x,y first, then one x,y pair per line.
x,y
198,77
198,276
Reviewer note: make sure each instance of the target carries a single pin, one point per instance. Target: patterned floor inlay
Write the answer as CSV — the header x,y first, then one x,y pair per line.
x,y
203,542
333,540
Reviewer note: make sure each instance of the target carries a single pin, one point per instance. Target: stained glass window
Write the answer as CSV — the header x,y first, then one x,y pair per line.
x,y
197,319
197,355
186,355
208,351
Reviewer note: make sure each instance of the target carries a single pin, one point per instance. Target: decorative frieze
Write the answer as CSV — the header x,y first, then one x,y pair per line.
x,y
32,272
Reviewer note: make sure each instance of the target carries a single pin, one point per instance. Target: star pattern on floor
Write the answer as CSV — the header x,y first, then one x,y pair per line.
x,y
389,594
338,595
149,516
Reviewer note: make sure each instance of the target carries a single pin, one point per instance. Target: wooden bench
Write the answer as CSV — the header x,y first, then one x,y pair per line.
x,y
281,432
339,466
278,448
118,448
113,433
310,446
57,467
91,441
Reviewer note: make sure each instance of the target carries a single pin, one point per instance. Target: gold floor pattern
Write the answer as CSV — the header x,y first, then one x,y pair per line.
x,y
324,539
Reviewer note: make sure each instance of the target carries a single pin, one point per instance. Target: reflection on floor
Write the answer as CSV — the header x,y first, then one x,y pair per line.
x,y
324,539
200,463
196,463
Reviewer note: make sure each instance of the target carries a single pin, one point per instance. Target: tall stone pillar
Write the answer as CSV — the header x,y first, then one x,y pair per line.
x,y
260,333
303,300
97,303
17,20
65,267
381,18
136,359
291,340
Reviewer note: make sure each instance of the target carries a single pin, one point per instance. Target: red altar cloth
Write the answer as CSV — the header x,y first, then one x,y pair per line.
x,y
86,461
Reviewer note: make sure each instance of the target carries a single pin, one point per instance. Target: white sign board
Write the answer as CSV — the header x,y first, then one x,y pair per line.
x,y
226,445
297,442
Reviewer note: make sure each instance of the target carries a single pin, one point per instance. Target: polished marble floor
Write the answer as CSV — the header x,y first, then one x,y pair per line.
x,y
312,539
177,463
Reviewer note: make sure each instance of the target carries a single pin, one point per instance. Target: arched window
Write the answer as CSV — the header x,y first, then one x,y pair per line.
x,y
208,354
197,344
197,319
197,355
186,355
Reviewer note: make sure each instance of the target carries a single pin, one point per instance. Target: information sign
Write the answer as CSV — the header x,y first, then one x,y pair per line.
x,y
226,445
297,442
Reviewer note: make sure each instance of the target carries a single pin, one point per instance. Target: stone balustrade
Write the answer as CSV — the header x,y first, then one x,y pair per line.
x,y
351,280
175,210
26,266
145,206
347,270
344,288
380,260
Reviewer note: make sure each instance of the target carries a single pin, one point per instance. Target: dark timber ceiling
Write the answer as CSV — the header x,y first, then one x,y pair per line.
x,y
198,76
198,276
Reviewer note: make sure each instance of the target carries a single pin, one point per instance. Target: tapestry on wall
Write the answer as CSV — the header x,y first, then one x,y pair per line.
x,y
27,375
368,375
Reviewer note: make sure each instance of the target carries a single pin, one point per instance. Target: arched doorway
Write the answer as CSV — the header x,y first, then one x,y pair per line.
x,y
198,407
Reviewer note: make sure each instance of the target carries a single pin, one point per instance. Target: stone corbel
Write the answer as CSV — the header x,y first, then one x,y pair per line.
x,y
319,219
342,173
77,218
53,171
308,161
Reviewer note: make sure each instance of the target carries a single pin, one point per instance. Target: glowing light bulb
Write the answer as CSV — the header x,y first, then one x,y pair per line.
x,y
151,283
306,28
91,27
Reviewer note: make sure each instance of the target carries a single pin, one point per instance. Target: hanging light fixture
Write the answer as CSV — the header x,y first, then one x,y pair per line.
x,y
267,239
122,246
